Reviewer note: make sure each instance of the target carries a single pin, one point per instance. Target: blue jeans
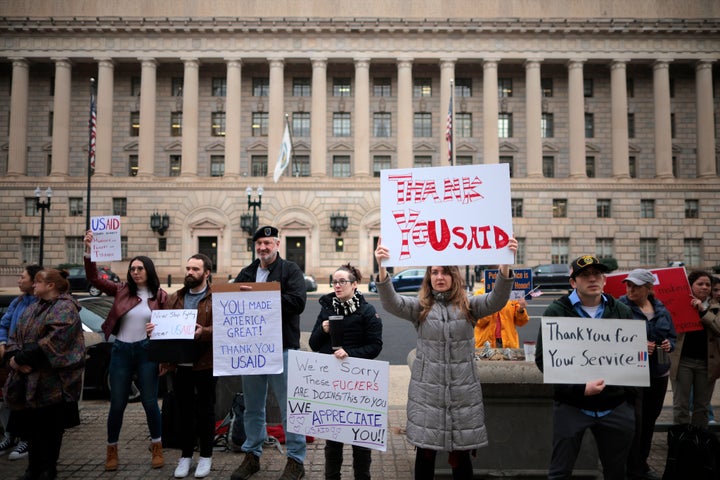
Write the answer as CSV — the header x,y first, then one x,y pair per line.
x,y
255,395
128,360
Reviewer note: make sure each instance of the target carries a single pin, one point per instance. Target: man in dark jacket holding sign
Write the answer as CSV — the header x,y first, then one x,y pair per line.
x,y
603,409
269,267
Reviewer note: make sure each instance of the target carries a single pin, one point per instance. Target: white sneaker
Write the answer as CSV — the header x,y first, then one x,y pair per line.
x,y
21,451
183,467
8,444
203,467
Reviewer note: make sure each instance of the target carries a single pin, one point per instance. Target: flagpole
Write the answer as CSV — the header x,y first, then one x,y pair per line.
x,y
92,125
450,128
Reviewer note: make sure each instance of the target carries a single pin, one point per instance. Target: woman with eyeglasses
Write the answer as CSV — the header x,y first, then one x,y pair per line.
x,y
129,321
361,337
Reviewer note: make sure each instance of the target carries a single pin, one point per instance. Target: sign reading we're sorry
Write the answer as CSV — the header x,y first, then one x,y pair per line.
x,y
446,215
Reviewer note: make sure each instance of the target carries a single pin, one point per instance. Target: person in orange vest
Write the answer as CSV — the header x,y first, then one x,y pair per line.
x,y
500,328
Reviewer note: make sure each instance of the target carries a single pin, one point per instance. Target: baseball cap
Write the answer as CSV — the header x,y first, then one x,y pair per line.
x,y
266,231
584,262
640,276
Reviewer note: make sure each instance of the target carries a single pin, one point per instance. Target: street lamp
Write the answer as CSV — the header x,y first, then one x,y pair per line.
x,y
158,223
250,224
42,206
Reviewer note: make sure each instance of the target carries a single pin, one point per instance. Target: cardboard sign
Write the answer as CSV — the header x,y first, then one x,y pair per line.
x,y
521,287
671,288
173,324
341,400
577,350
447,215
106,244
247,329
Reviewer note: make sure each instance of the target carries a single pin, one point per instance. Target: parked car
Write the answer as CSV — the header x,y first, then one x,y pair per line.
x,y
406,281
551,276
310,283
79,283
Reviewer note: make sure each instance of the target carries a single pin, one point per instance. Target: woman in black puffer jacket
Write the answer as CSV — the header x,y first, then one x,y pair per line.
x,y
362,337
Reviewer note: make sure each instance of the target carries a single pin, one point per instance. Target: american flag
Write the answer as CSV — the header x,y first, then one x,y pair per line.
x,y
536,293
93,133
449,129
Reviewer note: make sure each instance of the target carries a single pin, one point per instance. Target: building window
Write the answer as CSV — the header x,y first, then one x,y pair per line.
x,y
463,160
258,166
516,206
48,164
341,87
630,87
604,248
648,251
135,84
559,250
134,124
382,124
603,208
520,252
119,206
692,209
124,247
631,125
162,244
547,125
422,87
51,89
132,165
217,165
672,125
463,87
301,87
559,208
422,124
422,161
382,87
175,165
380,162
74,250
507,159
259,124
548,166
647,208
301,165
341,124
463,125
176,86
30,204
176,119
505,125
590,166
672,88
692,249
30,250
51,116
301,124
588,87
505,87
674,166
589,125
219,87
546,85
75,205
218,124
341,166
260,86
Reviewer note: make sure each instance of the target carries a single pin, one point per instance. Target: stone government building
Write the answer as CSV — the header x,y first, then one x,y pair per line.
x,y
605,111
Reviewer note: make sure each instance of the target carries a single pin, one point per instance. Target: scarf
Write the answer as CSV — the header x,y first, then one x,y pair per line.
x,y
347,307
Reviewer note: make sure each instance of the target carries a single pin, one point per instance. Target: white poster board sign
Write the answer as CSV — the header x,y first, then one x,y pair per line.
x,y
446,215
247,331
577,350
341,400
173,324
105,246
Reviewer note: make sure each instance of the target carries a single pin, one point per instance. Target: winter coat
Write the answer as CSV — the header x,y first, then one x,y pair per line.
x,y
362,333
710,320
201,347
9,320
445,406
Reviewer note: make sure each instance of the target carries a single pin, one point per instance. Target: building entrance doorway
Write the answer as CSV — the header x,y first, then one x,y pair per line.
x,y
295,248
208,246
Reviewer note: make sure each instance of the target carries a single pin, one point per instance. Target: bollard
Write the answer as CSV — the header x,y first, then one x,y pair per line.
x,y
169,280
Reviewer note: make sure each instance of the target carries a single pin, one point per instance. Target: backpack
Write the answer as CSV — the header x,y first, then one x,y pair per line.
x,y
693,452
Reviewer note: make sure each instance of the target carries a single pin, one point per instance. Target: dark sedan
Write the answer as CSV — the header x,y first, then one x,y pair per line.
x,y
554,276
405,281
79,283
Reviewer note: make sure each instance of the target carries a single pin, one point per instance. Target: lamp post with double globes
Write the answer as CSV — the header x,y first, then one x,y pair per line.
x,y
250,224
42,206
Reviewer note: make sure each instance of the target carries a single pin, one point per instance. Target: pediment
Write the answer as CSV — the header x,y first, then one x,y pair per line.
x,y
634,149
383,147
550,148
465,148
5,147
301,146
173,147
507,147
257,147
676,149
341,147
424,147
216,147
47,147
592,148
206,224
131,147
295,225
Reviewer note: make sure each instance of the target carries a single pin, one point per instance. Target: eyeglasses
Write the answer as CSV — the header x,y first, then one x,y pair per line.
x,y
136,269
342,282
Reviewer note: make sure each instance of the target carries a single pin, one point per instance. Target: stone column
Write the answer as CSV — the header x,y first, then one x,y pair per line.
x,y
362,117
533,118
576,118
17,148
276,113
447,76
318,119
146,139
190,118
104,138
491,142
619,109
705,120
61,118
405,114
663,132
233,131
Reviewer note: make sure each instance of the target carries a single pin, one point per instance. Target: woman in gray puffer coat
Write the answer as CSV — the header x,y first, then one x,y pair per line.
x,y
445,408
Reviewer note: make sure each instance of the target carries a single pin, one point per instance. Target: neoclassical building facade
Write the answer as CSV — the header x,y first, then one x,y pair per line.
x,y
605,111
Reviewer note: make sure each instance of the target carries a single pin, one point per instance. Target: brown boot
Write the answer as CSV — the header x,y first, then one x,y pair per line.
x,y
111,462
157,455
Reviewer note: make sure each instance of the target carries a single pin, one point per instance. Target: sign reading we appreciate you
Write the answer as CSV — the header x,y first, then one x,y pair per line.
x,y
341,400
447,215
578,350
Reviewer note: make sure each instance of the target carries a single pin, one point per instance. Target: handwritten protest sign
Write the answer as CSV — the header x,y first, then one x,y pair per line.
x,y
521,286
106,239
577,350
446,215
672,288
340,400
247,329
173,324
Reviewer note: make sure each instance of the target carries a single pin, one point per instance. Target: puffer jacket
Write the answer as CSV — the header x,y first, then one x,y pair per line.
x,y
445,405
